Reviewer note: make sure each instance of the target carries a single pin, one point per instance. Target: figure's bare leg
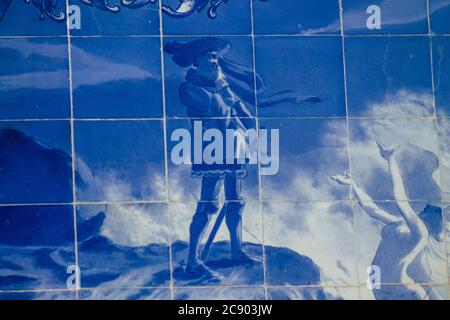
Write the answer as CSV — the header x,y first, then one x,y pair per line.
x,y
207,206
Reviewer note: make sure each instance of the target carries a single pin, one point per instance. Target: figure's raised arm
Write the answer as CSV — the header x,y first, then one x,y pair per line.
x,y
401,198
364,200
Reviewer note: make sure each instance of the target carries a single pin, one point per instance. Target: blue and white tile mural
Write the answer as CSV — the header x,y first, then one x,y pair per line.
x,y
224,149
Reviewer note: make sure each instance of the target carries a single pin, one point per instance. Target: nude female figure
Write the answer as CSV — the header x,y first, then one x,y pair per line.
x,y
403,238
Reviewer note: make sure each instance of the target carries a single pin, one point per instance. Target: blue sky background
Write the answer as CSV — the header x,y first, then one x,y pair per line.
x,y
296,17
440,10
441,51
34,78
125,158
126,81
399,16
312,66
381,66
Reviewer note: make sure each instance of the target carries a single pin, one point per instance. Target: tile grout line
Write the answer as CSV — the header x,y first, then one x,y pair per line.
x,y
349,154
439,154
166,165
398,117
178,201
287,35
72,144
261,214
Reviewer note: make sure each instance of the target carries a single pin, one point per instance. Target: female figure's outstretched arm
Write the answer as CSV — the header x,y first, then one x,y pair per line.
x,y
364,200
401,198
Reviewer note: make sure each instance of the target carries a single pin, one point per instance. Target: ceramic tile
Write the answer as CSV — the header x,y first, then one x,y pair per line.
x,y
36,246
116,161
125,294
116,18
37,18
112,255
412,292
439,15
380,80
254,293
297,17
441,49
224,149
109,82
390,151
35,162
309,244
34,78
385,16
223,270
383,247
40,295
234,59
303,293
207,17
301,77
304,169
183,185
444,142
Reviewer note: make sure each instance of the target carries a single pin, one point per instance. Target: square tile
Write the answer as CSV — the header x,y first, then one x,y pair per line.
x,y
439,15
39,295
117,19
301,76
120,161
309,244
381,81
183,78
36,18
35,162
385,16
117,77
389,249
36,247
310,151
34,78
415,154
444,143
403,292
220,293
123,246
125,294
297,17
441,65
226,272
304,293
205,17
184,183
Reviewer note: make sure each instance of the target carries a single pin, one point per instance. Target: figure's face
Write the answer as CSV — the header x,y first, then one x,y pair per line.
x,y
208,64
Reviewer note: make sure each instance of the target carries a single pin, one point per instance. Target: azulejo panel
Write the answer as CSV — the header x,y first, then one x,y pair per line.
x,y
34,78
35,162
116,77
439,15
300,77
385,16
116,161
296,17
37,247
380,79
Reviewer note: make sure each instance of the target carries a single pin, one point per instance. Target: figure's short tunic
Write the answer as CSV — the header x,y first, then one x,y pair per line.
x,y
206,104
